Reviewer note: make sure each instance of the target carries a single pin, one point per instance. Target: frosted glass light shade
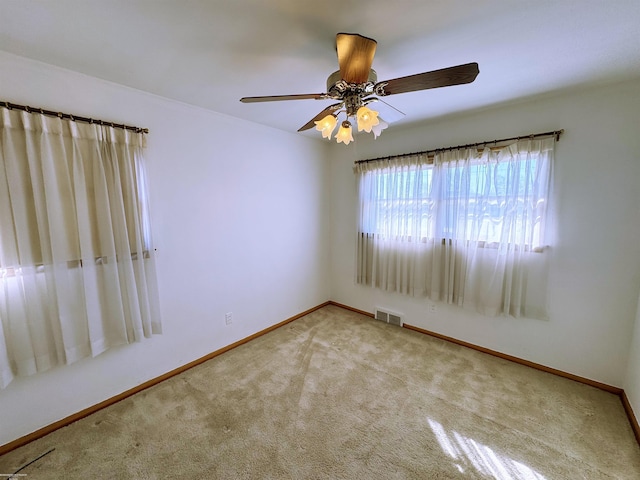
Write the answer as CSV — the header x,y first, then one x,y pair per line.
x,y
345,135
367,119
377,129
327,125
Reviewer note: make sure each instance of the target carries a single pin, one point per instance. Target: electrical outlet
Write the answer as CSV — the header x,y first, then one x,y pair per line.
x,y
432,308
228,318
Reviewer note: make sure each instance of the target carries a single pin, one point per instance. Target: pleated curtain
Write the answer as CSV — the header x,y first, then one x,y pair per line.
x,y
77,267
466,227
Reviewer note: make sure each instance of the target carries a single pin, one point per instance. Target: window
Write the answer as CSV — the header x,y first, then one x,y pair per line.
x,y
486,209
424,225
77,271
402,203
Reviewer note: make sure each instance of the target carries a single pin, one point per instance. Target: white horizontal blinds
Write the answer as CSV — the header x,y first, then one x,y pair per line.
x,y
467,228
76,260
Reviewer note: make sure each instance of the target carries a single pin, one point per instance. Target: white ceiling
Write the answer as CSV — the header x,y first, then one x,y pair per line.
x,y
211,53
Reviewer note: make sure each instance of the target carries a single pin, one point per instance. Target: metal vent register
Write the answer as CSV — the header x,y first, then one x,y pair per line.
x,y
389,317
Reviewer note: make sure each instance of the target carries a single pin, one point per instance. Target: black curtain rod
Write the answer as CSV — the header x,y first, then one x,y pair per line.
x,y
555,133
51,113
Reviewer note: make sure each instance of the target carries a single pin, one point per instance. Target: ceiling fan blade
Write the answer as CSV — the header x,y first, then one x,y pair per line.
x,y
355,56
423,81
276,98
311,123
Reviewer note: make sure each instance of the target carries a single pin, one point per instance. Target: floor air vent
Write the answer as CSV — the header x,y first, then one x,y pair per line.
x,y
388,317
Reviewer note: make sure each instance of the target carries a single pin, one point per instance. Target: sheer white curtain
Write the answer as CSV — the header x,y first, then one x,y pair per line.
x,y
467,227
77,272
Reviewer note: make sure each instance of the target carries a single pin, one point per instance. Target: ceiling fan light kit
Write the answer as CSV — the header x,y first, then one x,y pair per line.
x,y
345,133
327,125
356,85
377,129
367,119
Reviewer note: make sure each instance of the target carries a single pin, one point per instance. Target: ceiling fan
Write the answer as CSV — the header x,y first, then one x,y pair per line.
x,y
356,85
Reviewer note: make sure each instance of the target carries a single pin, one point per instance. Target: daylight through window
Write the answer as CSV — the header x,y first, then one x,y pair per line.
x,y
426,226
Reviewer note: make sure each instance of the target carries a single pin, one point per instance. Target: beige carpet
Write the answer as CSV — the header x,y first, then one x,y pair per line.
x,y
338,395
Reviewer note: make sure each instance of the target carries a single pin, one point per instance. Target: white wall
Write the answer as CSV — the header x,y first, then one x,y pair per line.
x,y
632,381
596,258
239,216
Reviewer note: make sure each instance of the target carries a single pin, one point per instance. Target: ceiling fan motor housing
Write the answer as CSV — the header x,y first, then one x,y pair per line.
x,y
339,89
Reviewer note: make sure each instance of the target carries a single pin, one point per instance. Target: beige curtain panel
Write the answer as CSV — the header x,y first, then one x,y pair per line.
x,y
468,228
77,268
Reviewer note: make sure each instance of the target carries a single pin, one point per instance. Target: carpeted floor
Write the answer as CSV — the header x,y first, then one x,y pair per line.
x,y
338,395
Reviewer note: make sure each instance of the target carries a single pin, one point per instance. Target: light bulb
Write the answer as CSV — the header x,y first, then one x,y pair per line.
x,y
327,125
345,135
367,119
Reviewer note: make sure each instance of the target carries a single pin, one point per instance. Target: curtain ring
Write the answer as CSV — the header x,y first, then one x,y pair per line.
x,y
71,117
60,115
26,109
